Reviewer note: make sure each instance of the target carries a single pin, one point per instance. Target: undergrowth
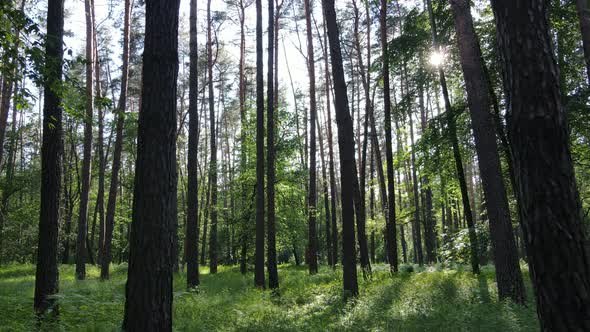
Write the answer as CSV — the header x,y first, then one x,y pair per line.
x,y
427,299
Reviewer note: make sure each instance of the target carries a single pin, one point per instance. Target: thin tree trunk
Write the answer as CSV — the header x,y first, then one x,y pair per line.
x,y
273,277
81,250
192,218
312,198
451,123
390,226
213,136
259,259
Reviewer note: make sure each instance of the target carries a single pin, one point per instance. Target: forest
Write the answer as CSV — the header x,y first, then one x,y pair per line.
x,y
294,165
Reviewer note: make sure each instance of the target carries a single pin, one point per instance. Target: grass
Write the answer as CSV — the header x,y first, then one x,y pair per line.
x,y
430,300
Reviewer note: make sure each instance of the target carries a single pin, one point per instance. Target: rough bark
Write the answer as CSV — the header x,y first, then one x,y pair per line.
x,y
346,148
508,275
550,207
259,259
273,277
47,274
148,305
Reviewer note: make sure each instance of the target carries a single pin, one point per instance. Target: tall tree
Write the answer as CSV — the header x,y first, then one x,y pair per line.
x,y
213,137
346,149
192,222
452,133
390,225
312,246
508,275
106,247
550,207
334,244
148,304
81,250
259,259
47,275
273,277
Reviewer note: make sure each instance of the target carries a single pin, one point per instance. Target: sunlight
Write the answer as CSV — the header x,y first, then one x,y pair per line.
x,y
437,58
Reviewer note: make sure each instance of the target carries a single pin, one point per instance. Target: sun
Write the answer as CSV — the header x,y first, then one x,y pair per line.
x,y
437,58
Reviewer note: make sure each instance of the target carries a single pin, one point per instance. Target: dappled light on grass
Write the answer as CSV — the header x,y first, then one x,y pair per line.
x,y
430,298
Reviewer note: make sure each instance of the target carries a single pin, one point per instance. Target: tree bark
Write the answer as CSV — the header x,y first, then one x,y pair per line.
x,y
390,226
346,148
47,274
148,305
213,137
273,277
312,198
508,275
259,259
192,218
550,207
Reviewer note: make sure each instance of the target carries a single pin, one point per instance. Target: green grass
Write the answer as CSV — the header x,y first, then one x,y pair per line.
x,y
431,300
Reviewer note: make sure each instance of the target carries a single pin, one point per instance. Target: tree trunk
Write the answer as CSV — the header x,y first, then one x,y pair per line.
x,y
429,221
312,198
334,234
550,207
192,217
390,226
213,164
346,148
259,259
47,275
81,250
148,305
273,277
508,275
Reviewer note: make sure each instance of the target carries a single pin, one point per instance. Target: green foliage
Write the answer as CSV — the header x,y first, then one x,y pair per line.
x,y
429,300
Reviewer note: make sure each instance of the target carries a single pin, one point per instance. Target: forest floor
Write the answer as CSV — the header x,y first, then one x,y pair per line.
x,y
431,300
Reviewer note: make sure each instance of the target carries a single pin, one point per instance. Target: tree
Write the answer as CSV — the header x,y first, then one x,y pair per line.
x,y
452,134
47,275
390,226
81,249
550,208
346,149
259,259
508,275
213,164
192,227
148,304
312,246
106,247
273,277
331,156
